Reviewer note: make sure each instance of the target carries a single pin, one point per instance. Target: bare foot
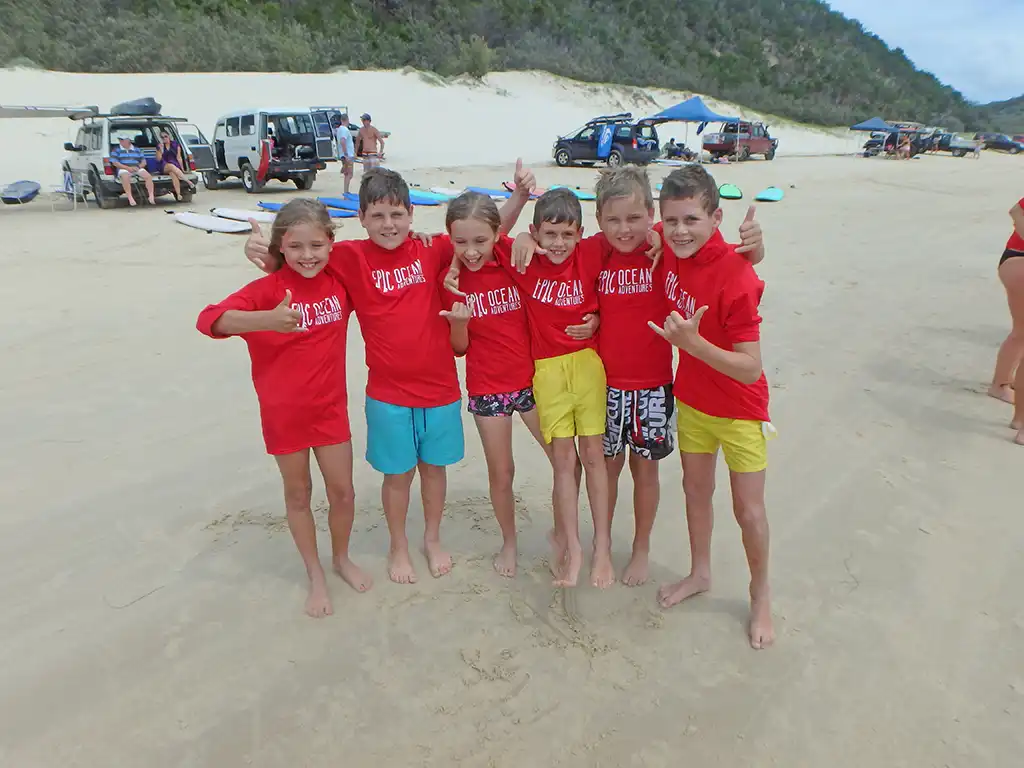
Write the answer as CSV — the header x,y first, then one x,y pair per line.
x,y
440,562
1002,392
602,572
1017,424
673,594
318,601
637,571
762,633
152,201
352,574
559,553
1019,439
400,568
505,561
131,201
569,570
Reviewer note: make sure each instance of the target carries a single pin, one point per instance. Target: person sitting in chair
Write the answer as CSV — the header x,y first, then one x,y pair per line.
x,y
171,161
129,162
673,150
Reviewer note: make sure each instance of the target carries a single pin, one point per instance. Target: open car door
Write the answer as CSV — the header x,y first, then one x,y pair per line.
x,y
195,143
324,119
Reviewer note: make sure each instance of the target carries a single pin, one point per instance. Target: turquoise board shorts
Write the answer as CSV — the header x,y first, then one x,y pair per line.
x,y
398,437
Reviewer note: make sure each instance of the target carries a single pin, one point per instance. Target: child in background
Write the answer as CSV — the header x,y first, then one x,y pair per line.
x,y
490,328
295,323
721,389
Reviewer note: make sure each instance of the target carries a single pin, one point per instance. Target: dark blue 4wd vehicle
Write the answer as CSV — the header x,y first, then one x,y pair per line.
x,y
998,141
624,141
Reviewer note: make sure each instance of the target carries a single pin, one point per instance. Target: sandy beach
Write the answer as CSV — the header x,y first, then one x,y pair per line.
x,y
151,598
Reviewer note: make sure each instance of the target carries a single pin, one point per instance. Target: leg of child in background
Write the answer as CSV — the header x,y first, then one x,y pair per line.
x,y
335,463
394,496
1011,274
602,572
567,553
748,506
433,489
298,490
698,492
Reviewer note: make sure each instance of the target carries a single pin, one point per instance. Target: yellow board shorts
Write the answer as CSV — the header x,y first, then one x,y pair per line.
x,y
744,443
571,395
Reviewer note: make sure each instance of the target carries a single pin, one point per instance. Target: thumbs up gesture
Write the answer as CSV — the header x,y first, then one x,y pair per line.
x,y
257,249
751,240
524,179
285,319
680,332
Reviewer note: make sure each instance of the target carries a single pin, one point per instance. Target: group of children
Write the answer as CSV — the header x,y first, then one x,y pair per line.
x,y
575,335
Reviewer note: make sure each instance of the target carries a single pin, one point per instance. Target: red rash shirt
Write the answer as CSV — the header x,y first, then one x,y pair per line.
x,y
1016,242
498,360
557,296
299,377
725,281
630,292
397,303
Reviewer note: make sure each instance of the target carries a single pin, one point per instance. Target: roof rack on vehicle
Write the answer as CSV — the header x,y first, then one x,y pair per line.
x,y
129,118
611,118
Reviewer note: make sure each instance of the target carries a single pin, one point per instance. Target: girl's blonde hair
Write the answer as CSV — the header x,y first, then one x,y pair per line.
x,y
473,205
304,210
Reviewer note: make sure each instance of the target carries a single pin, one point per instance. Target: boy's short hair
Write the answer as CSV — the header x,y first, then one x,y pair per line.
x,y
624,181
383,185
691,182
557,206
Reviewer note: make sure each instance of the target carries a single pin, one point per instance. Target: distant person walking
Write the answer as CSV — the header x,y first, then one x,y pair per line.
x,y
346,149
371,143
1008,379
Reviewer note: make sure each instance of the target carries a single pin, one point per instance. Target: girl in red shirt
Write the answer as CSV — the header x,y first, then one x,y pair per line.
x,y
1008,379
489,327
295,323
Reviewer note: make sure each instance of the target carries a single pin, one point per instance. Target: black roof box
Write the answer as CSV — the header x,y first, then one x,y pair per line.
x,y
143,107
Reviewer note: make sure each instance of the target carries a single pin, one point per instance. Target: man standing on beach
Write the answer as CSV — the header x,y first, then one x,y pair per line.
x,y
346,149
369,139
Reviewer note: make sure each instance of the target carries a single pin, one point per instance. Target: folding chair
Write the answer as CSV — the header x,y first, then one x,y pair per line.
x,y
68,190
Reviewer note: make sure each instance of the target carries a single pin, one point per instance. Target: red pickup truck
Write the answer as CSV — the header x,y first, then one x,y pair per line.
x,y
741,140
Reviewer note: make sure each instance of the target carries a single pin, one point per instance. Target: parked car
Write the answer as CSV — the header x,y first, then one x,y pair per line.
x,y
88,158
956,145
258,145
999,141
632,142
888,142
741,140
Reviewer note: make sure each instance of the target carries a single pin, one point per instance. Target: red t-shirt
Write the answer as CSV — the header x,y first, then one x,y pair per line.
x,y
1016,242
299,377
498,359
397,302
557,296
630,292
725,281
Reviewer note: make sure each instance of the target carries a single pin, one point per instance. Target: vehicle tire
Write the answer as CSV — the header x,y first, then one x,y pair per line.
x,y
1014,150
304,181
249,181
770,154
959,153
614,158
563,157
744,154
103,200
211,179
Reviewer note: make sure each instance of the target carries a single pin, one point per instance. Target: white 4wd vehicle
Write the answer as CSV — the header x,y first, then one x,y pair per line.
x,y
257,145
88,157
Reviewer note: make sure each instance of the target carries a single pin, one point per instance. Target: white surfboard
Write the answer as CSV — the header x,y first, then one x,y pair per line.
x,y
211,223
451,192
238,214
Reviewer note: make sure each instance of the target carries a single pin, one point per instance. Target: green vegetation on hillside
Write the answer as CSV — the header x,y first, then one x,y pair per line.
x,y
789,57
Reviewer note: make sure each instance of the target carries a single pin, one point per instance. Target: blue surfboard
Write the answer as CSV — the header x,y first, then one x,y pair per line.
x,y
416,197
604,142
336,213
340,202
490,192
770,195
578,192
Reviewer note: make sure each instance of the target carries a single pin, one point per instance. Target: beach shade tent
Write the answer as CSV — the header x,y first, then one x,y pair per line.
x,y
875,124
693,110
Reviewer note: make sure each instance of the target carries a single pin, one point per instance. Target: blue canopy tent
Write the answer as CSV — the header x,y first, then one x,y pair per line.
x,y
693,110
875,124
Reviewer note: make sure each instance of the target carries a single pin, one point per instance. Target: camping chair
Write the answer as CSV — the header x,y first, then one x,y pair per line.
x,y
67,190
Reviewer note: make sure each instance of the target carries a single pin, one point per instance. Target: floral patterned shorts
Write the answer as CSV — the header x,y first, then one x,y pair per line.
x,y
505,404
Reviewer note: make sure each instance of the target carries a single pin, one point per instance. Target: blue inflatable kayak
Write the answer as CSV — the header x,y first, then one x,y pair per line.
x,y
19,192
340,202
336,213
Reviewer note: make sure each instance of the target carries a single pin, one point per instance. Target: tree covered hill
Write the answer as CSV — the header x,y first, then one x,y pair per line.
x,y
794,58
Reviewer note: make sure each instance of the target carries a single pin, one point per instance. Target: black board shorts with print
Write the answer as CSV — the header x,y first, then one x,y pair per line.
x,y
642,420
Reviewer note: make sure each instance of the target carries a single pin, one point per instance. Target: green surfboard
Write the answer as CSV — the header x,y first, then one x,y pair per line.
x,y
730,192
770,195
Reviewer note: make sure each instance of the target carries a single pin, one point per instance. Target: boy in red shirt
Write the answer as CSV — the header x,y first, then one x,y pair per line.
x,y
413,418
721,389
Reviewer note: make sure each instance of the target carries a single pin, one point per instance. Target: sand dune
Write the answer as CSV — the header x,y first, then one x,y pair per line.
x,y
464,123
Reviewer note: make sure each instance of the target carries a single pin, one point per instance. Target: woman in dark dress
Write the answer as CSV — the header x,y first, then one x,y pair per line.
x,y
170,160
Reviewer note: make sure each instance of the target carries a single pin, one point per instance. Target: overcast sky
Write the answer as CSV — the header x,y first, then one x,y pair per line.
x,y
972,45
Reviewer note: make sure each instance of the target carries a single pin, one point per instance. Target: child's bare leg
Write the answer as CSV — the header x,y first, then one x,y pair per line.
x,y
336,467
394,495
1009,359
614,465
1018,409
602,572
496,437
748,504
698,490
433,488
570,560
646,495
298,489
